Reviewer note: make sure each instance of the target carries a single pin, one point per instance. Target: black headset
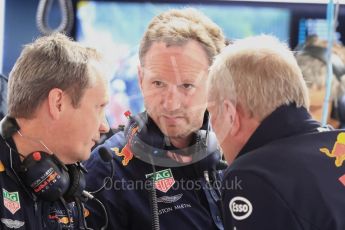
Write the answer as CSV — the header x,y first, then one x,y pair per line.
x,y
320,53
148,143
44,174
149,139
338,66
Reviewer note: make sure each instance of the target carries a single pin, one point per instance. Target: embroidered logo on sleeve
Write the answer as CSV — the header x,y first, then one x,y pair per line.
x,y
12,223
11,201
163,179
338,151
240,208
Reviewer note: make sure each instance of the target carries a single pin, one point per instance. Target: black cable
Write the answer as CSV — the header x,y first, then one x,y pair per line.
x,y
63,202
105,214
154,203
106,158
81,217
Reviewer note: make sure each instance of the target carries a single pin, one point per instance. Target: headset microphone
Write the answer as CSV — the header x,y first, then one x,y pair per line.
x,y
106,156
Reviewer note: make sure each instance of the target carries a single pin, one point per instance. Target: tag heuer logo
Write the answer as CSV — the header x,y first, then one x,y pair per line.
x,y
164,179
11,201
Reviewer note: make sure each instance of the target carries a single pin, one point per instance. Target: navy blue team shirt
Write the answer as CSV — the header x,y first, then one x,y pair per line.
x,y
290,175
184,199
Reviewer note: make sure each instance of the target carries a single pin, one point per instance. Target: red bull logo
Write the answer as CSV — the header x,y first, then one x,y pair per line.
x,y
338,150
60,219
125,153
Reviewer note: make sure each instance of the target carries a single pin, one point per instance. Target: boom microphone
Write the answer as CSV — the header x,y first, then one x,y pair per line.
x,y
105,155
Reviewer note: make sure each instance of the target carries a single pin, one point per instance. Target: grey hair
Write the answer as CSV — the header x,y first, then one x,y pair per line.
x,y
261,72
49,62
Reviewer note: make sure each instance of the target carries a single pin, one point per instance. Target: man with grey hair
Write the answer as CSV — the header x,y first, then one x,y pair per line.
x,y
57,92
291,169
166,159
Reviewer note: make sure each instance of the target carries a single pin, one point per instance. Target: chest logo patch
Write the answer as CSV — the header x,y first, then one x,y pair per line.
x,y
338,150
11,201
12,223
240,208
163,179
169,199
126,152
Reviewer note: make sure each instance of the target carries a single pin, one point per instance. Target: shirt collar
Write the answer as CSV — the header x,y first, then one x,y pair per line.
x,y
285,121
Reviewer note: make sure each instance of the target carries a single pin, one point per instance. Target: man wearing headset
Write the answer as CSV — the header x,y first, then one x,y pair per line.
x,y
312,59
291,169
166,158
57,92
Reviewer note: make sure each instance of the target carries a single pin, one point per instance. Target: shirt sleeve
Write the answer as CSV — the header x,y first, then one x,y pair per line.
x,y
250,202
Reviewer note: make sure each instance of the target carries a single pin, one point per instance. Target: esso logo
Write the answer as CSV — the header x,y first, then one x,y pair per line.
x,y
240,208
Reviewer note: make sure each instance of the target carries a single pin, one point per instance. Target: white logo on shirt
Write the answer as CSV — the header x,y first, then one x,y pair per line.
x,y
12,223
240,208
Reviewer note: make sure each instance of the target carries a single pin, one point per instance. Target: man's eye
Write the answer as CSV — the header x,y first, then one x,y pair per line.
x,y
158,83
187,86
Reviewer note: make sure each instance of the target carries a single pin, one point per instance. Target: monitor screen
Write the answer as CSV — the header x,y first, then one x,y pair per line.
x,y
115,28
314,26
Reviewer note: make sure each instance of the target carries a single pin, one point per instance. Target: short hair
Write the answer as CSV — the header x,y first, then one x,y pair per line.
x,y
53,61
176,27
314,70
261,73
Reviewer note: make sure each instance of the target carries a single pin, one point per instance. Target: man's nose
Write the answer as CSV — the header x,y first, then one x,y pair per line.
x,y
172,99
104,126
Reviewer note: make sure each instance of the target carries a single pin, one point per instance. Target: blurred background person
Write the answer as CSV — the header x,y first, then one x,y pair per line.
x,y
311,58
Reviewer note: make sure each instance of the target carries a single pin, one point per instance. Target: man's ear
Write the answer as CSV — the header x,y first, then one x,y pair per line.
x,y
55,102
231,110
140,76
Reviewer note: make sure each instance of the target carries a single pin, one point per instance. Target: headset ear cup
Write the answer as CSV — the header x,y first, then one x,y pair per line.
x,y
47,179
77,184
8,126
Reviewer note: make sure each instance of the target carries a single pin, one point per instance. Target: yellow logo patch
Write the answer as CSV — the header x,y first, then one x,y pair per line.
x,y
338,150
2,167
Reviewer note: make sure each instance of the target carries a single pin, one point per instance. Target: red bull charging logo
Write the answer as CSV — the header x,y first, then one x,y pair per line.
x,y
338,151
